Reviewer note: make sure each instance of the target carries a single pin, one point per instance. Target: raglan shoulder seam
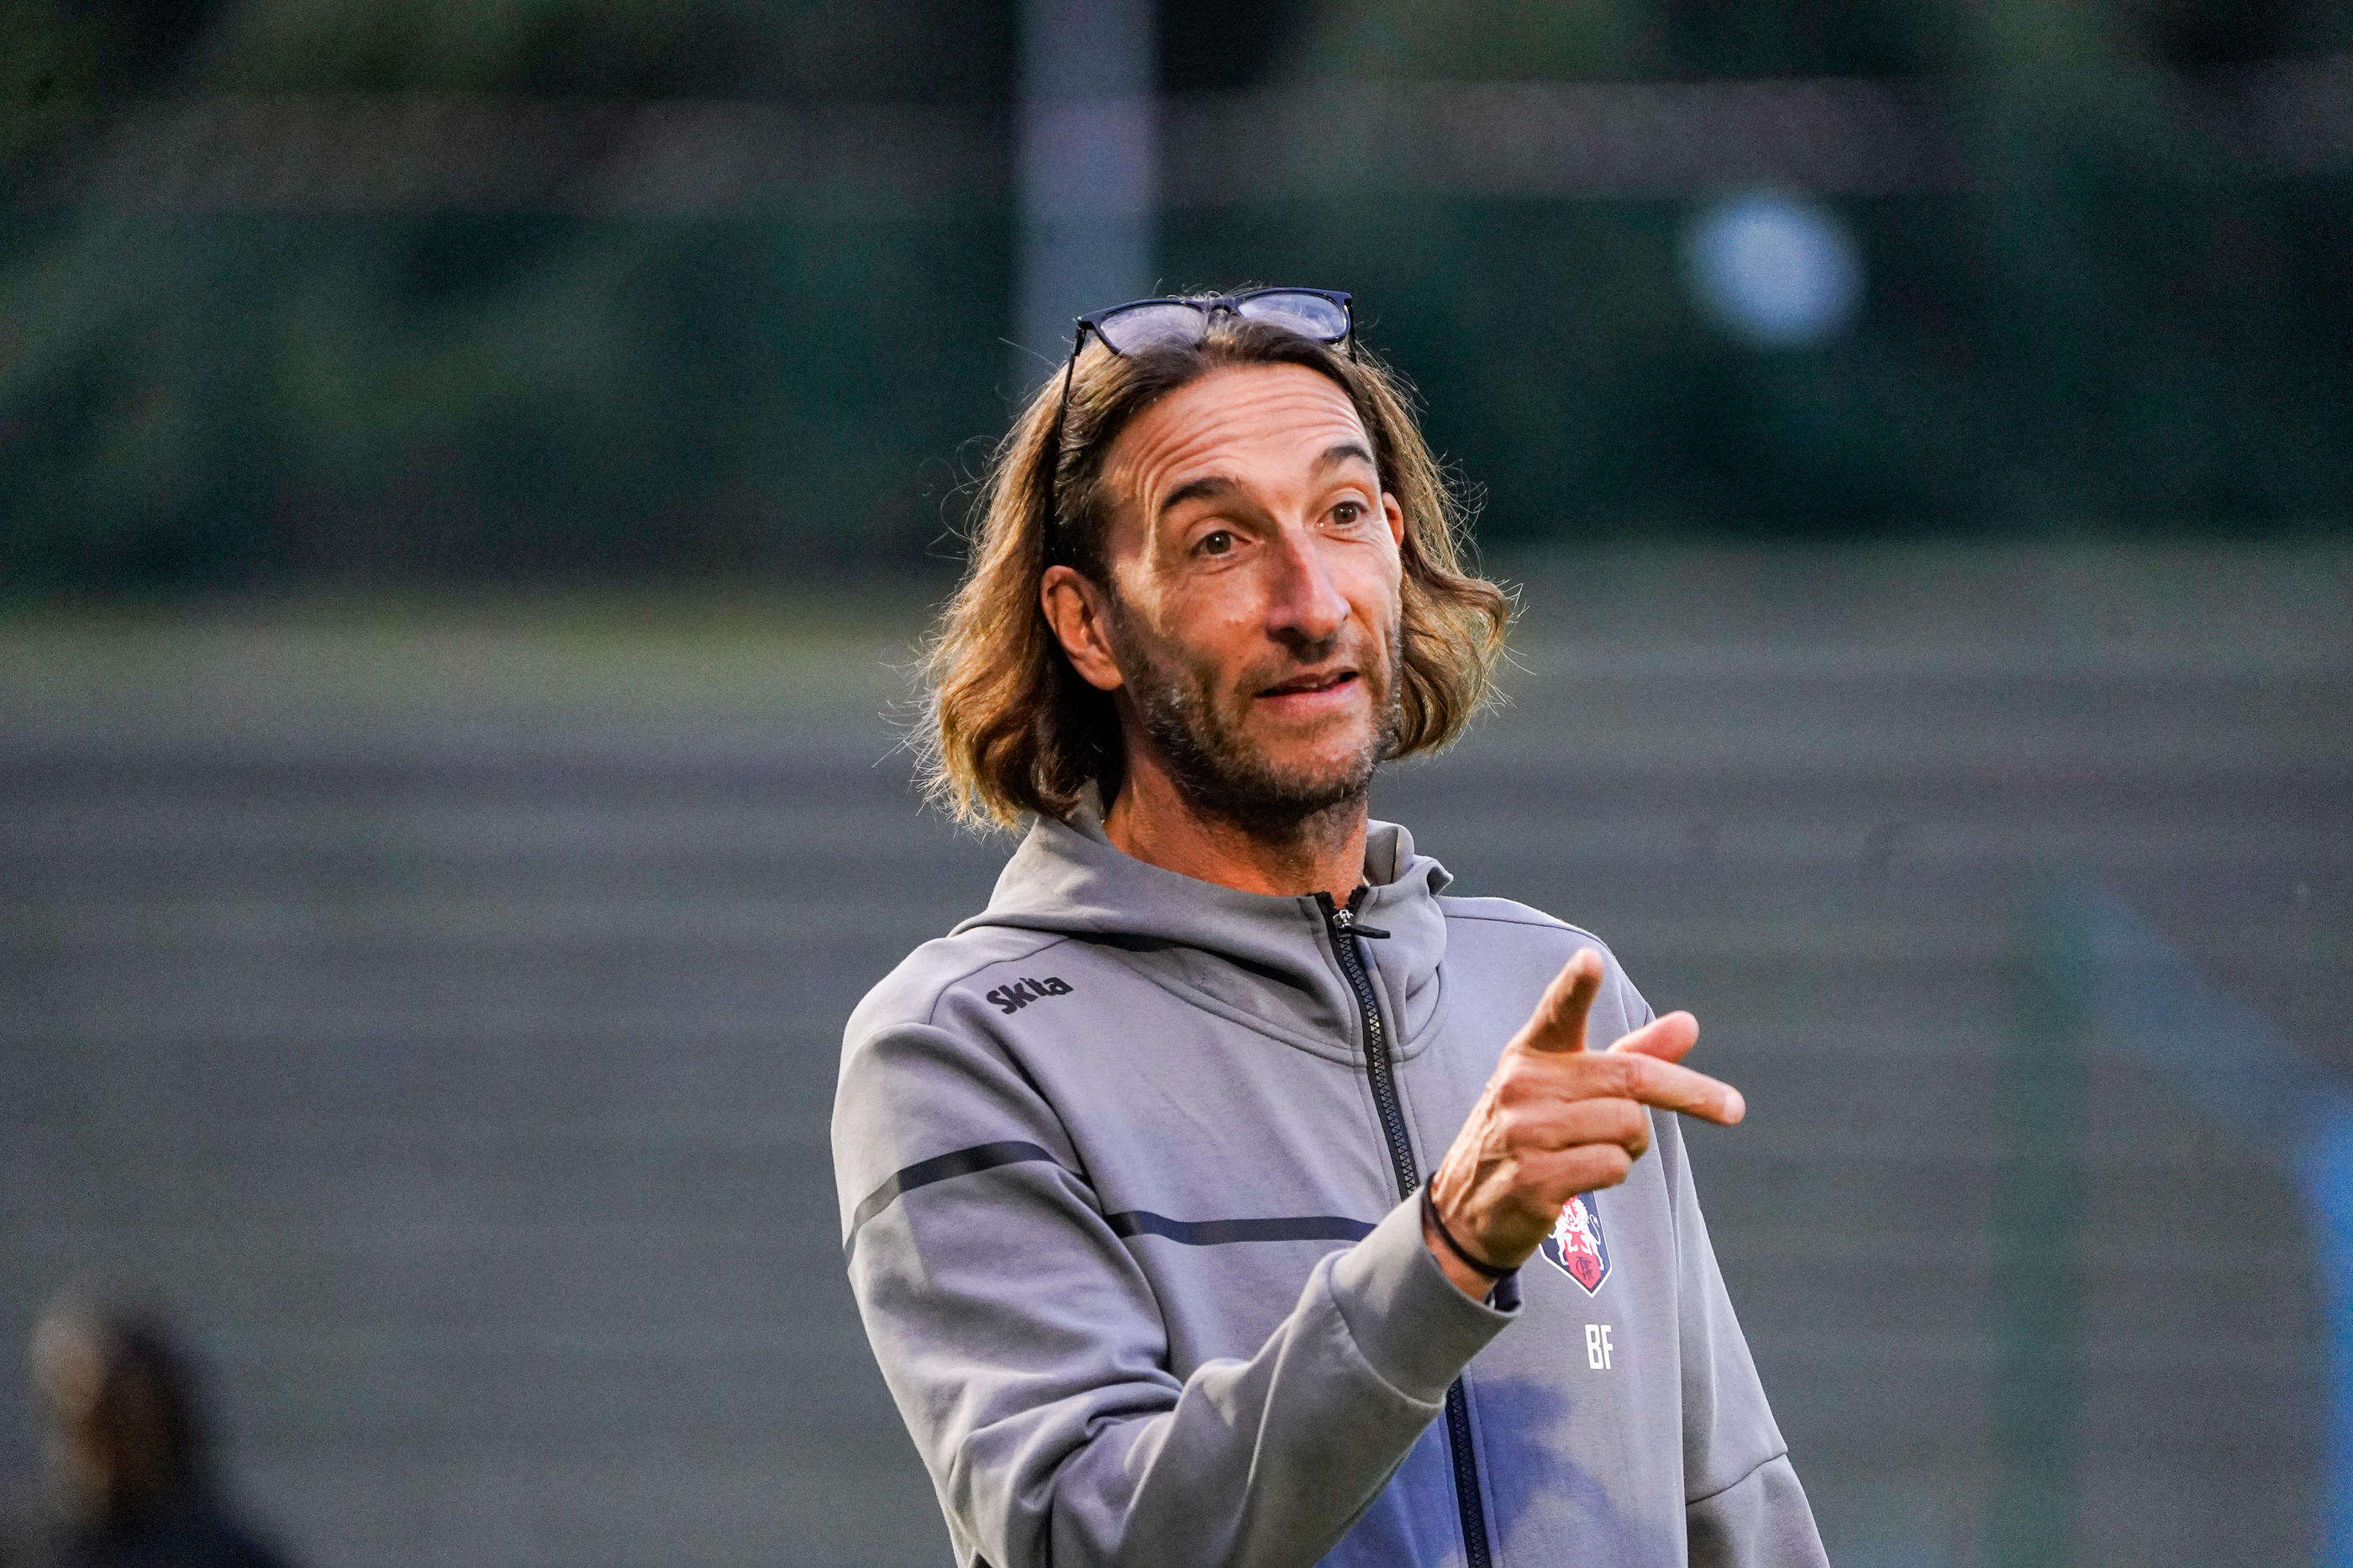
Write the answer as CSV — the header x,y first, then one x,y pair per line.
x,y
940,992
1535,919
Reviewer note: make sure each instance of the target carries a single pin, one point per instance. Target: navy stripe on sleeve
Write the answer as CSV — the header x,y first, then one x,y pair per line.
x,y
1131,1222
1219,1231
939,1168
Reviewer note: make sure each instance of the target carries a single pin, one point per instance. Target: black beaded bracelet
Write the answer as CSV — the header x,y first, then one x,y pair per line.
x,y
1484,1270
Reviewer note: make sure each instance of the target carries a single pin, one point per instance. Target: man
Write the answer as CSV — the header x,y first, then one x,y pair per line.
x,y
125,1450
1131,1163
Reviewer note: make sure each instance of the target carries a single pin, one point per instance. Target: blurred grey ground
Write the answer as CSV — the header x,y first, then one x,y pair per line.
x,y
438,1003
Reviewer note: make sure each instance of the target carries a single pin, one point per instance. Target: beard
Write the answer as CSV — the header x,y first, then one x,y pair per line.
x,y
1221,770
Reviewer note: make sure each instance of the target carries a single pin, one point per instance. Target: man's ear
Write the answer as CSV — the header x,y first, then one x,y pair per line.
x,y
1395,514
1077,610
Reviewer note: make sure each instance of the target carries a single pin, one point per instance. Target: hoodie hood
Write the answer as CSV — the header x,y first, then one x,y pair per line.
x,y
1263,961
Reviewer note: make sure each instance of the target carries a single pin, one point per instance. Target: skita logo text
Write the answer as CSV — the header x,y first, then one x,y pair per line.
x,y
1021,993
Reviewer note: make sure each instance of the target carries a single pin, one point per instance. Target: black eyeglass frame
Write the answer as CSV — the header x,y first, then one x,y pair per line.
x,y
1209,308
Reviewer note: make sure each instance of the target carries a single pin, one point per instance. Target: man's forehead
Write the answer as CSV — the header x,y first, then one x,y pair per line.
x,y
1285,413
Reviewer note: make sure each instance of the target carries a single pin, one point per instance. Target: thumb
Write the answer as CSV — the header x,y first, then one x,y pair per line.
x,y
1558,1024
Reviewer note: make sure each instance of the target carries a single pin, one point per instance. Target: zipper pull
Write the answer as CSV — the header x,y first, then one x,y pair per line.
x,y
1343,920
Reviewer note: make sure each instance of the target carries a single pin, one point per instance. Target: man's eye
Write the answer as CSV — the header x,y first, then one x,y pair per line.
x,y
1347,511
1216,543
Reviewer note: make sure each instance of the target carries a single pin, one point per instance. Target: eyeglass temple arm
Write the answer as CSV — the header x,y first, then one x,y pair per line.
x,y
1054,438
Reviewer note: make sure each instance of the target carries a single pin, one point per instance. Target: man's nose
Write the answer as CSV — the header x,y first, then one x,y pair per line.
x,y
1307,607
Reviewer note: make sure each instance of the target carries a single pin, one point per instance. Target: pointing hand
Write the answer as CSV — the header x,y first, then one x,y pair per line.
x,y
1556,1120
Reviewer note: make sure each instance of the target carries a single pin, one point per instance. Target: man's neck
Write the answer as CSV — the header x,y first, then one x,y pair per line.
x,y
1153,821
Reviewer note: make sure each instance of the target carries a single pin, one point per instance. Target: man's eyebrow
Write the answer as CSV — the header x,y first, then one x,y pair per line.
x,y
1202,489
1211,486
1333,456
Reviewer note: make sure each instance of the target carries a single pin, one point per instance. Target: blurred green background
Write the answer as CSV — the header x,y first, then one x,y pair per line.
x,y
2111,292
473,474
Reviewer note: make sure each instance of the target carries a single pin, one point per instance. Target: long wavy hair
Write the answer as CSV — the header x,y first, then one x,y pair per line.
x,y
1012,731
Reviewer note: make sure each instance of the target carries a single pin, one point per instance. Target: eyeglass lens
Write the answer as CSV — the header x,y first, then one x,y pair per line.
x,y
1309,315
1173,321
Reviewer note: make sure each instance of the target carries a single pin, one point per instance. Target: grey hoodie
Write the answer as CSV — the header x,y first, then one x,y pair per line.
x,y
1122,1165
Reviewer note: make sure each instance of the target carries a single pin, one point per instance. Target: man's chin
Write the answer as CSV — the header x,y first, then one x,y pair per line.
x,y
1278,806
1288,786
1324,751
1319,777
1258,767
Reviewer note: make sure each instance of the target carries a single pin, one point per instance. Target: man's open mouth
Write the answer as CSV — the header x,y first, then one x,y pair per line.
x,y
1302,684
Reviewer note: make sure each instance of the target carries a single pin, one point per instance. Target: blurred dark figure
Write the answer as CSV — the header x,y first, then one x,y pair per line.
x,y
123,1448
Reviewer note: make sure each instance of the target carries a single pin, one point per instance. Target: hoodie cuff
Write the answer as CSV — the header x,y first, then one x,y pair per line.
x,y
1415,1327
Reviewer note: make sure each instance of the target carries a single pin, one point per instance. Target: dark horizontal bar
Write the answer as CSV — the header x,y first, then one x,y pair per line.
x,y
1219,1232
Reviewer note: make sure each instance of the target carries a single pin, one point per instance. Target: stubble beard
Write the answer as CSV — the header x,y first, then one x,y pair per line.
x,y
1222,774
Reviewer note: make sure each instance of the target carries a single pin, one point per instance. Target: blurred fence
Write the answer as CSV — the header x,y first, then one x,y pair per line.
x,y
439,1006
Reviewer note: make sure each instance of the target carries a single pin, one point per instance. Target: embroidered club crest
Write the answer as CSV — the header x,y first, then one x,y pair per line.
x,y
1577,1246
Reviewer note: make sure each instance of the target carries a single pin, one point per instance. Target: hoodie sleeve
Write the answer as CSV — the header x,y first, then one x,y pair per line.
x,y
1027,1356
1743,1506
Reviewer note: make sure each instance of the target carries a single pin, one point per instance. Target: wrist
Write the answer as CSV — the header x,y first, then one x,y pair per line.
x,y
1475,1276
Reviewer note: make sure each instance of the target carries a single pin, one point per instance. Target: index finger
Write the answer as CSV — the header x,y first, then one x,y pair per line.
x,y
1558,1022
1672,1087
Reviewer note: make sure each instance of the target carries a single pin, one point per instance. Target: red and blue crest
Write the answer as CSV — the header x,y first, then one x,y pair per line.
x,y
1577,1246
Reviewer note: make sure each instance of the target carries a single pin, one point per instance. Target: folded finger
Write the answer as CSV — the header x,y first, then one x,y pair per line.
x,y
1568,1124
1564,1174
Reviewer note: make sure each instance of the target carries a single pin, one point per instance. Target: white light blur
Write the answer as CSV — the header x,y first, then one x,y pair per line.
x,y
1775,268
